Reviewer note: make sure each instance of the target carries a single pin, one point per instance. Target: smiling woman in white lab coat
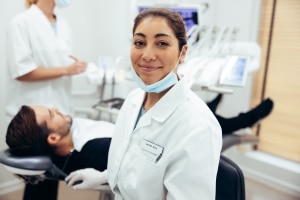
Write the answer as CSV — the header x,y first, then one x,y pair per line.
x,y
167,143
39,68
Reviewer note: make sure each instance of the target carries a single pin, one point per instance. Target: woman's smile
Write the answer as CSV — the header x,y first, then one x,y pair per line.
x,y
149,68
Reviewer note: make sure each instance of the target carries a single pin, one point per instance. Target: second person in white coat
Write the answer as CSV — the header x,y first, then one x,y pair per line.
x,y
39,58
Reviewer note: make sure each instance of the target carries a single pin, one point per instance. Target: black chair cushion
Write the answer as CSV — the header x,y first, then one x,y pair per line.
x,y
230,181
28,163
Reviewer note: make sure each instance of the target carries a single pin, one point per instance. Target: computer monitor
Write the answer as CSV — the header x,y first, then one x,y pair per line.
x,y
190,14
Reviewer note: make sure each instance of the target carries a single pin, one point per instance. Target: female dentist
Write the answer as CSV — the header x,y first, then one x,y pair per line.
x,y
166,143
40,65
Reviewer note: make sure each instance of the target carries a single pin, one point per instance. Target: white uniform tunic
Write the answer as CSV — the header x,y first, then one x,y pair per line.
x,y
173,153
32,42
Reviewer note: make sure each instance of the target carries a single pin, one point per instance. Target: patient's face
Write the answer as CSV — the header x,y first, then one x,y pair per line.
x,y
56,121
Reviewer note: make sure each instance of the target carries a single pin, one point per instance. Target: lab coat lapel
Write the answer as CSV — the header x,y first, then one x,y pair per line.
x,y
169,102
43,21
135,106
164,107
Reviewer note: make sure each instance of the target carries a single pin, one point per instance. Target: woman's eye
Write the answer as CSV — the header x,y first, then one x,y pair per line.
x,y
139,43
163,44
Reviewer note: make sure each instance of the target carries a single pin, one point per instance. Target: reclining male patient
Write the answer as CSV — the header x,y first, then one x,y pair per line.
x,y
83,143
72,143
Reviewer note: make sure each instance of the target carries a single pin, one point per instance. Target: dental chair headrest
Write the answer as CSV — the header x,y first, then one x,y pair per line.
x,y
26,162
32,169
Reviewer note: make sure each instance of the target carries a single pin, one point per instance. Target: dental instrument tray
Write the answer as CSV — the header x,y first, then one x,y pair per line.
x,y
112,105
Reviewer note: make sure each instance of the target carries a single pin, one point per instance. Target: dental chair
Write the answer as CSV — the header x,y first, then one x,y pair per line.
x,y
33,169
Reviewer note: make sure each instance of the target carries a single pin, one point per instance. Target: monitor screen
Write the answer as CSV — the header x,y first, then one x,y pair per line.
x,y
235,71
189,15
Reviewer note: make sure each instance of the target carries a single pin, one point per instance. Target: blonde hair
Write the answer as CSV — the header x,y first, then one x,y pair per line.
x,y
28,3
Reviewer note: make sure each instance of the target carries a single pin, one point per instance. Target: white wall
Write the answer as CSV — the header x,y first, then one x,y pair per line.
x,y
8,8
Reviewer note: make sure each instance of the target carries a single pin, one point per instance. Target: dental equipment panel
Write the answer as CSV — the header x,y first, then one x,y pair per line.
x,y
235,71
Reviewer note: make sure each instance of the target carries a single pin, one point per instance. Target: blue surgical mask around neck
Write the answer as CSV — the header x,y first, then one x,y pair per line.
x,y
157,87
163,84
62,3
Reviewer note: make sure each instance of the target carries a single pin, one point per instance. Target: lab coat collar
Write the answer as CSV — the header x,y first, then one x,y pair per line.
x,y
170,101
164,107
36,10
39,15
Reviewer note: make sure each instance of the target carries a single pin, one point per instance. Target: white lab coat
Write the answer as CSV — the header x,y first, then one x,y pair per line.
x,y
191,138
32,42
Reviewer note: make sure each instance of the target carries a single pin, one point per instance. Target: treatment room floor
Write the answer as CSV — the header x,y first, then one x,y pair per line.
x,y
255,191
65,193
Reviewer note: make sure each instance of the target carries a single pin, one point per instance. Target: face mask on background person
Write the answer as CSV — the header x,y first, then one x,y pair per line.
x,y
62,3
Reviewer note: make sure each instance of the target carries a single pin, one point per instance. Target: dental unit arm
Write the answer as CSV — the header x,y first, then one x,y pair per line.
x,y
209,73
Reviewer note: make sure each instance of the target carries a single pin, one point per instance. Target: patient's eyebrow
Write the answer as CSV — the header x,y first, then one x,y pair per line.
x,y
50,113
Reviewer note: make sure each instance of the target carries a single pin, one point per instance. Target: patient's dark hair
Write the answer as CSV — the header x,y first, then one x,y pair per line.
x,y
25,137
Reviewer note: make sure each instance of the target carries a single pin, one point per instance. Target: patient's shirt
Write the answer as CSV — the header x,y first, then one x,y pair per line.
x,y
84,130
91,145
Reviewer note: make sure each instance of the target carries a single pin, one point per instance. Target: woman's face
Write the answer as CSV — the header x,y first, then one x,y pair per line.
x,y
154,50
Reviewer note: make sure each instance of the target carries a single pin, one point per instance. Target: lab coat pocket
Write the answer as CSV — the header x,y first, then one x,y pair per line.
x,y
151,152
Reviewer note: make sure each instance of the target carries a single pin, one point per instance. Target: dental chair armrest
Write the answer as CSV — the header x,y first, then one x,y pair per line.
x,y
231,140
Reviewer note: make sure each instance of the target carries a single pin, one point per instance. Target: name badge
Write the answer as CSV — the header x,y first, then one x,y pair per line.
x,y
153,152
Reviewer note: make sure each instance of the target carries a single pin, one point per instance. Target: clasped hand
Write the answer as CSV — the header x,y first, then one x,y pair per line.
x,y
88,178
